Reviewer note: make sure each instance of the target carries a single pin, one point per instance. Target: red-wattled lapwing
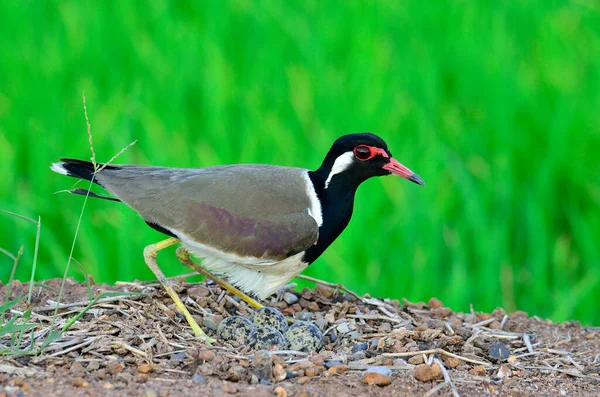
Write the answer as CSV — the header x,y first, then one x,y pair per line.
x,y
260,225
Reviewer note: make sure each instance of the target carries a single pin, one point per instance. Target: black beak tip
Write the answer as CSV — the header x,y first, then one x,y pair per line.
x,y
416,179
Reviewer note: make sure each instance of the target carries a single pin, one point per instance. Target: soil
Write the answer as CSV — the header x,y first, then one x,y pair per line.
x,y
137,345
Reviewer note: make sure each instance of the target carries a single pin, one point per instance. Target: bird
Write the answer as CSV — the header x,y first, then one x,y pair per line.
x,y
259,225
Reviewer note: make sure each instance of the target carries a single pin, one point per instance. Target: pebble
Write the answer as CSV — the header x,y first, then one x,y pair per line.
x,y
144,368
360,346
321,323
380,370
343,328
206,355
499,351
375,378
198,379
426,373
478,370
229,388
269,317
330,364
324,291
78,382
261,365
304,316
359,355
198,292
304,336
354,334
280,391
416,360
115,367
290,298
338,369
212,321
435,303
236,329
452,362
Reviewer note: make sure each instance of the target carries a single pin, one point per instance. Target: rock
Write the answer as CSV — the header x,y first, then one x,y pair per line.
x,y
115,367
330,364
504,371
322,323
478,370
314,371
451,362
198,292
354,334
304,316
267,338
206,355
279,373
304,336
280,391
380,370
330,317
235,329
441,312
435,303
77,368
77,382
338,369
375,378
499,351
290,298
229,388
212,321
416,360
359,347
324,291
144,368
198,379
385,328
426,373
261,365
343,328
269,317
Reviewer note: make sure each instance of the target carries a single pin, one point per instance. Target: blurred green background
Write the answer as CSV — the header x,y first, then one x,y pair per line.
x,y
495,104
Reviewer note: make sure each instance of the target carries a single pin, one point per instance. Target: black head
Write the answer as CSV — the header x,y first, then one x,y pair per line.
x,y
354,158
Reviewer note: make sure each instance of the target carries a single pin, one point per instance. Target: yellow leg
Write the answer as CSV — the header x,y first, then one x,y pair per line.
x,y
150,253
184,257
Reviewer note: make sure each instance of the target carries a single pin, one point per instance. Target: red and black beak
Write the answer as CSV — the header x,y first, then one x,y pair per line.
x,y
395,168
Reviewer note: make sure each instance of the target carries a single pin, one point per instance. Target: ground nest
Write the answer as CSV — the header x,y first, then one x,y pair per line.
x,y
139,345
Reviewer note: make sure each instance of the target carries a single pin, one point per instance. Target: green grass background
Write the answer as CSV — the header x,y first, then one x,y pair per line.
x,y
495,104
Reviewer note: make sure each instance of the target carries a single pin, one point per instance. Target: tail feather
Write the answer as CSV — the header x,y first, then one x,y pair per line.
x,y
84,170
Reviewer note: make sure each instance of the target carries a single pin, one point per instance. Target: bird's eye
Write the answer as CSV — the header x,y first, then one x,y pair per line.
x,y
362,152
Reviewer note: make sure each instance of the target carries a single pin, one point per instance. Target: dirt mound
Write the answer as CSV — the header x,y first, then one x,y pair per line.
x,y
138,345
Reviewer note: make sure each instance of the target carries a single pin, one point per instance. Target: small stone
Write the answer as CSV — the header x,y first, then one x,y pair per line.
x,y
314,371
303,379
212,321
343,328
381,370
280,391
324,291
77,368
478,370
290,298
279,373
206,355
354,334
198,292
416,360
441,312
435,303
115,367
452,362
144,368
512,359
304,316
198,378
267,338
321,323
108,386
360,346
330,364
229,388
426,373
313,306
375,378
150,393
504,371
236,373
261,365
359,355
499,351
317,359
385,328
79,382
338,369
141,378
236,329
304,336
269,317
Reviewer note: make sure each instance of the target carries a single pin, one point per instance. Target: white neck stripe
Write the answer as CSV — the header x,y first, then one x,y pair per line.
x,y
315,204
341,164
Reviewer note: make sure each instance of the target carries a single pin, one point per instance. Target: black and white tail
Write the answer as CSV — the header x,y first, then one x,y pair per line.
x,y
84,170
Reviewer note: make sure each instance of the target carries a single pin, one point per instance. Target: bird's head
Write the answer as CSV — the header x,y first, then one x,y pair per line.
x,y
354,158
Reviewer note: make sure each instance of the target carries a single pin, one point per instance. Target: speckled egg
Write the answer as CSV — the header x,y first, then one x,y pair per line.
x,y
266,338
304,336
236,329
269,317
